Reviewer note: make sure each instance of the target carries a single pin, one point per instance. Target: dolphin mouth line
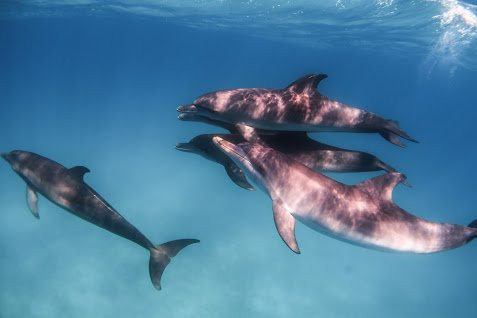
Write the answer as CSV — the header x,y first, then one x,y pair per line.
x,y
186,147
192,116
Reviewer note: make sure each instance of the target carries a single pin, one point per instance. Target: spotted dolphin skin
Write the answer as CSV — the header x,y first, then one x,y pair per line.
x,y
361,214
296,145
66,188
298,107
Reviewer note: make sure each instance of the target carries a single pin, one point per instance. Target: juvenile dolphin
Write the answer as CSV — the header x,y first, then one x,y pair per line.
x,y
361,214
66,188
296,145
298,107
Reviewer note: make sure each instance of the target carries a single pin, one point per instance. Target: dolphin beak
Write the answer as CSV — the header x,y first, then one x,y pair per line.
x,y
186,147
6,156
187,109
188,117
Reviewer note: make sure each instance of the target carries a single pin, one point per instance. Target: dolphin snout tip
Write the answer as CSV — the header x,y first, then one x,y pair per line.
x,y
187,108
5,156
217,140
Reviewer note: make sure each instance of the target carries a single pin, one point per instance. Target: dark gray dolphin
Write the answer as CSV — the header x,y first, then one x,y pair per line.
x,y
296,145
361,214
322,157
298,107
66,188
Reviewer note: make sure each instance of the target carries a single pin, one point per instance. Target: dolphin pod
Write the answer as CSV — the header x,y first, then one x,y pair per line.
x,y
66,188
267,146
298,107
361,214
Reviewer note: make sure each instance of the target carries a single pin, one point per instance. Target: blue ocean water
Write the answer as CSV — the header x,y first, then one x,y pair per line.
x,y
96,83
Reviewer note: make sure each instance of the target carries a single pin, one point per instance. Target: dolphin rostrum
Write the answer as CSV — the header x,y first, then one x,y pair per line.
x,y
298,107
66,188
362,214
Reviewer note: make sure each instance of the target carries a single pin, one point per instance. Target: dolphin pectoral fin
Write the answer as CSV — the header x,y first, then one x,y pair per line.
x,y
79,171
32,201
306,84
237,176
248,133
382,186
285,224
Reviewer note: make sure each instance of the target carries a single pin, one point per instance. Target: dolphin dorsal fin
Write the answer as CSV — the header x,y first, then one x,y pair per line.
x,y
382,186
306,84
79,171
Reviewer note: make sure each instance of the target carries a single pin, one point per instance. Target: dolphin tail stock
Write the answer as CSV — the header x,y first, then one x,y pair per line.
x,y
161,256
384,166
392,132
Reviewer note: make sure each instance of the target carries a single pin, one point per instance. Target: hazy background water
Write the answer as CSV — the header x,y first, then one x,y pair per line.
x,y
97,83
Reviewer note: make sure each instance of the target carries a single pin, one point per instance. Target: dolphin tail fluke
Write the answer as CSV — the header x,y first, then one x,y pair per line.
x,y
161,256
392,133
473,224
384,166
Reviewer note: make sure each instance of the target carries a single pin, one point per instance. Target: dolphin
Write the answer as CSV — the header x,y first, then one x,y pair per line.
x,y
298,107
66,188
296,145
362,214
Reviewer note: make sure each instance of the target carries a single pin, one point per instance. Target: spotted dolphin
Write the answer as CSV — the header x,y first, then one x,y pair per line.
x,y
66,188
362,214
298,107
